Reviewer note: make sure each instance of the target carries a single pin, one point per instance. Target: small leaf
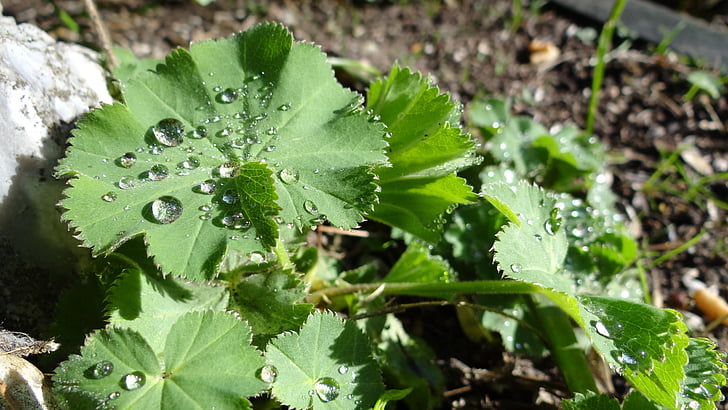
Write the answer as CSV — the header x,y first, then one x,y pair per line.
x,y
705,375
391,395
417,265
207,358
533,247
270,303
591,401
426,148
149,304
643,343
254,118
707,82
326,365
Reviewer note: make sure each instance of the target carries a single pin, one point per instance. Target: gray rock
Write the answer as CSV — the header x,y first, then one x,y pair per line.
x,y
44,87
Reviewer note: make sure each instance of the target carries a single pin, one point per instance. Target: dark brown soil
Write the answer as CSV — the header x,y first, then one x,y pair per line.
x,y
471,50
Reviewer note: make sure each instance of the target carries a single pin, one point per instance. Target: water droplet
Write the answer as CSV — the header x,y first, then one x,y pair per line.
x,y
310,207
225,132
208,187
288,176
113,396
538,237
169,132
191,162
227,96
272,131
127,160
627,359
270,148
198,133
230,197
553,224
158,172
268,374
694,404
228,169
126,182
284,107
101,369
109,197
256,257
133,381
343,369
516,268
205,216
327,389
602,329
166,209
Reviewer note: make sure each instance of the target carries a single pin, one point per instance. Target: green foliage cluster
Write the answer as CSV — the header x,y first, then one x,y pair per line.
x,y
196,192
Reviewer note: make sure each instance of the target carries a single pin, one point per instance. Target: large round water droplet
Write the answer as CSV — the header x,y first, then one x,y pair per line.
x,y
166,209
310,207
327,389
109,197
516,268
169,132
127,160
158,172
132,381
101,369
288,176
126,182
268,374
227,96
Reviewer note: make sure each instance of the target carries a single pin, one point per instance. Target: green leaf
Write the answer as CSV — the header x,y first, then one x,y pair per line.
x,y
643,343
270,302
426,148
326,365
705,375
708,82
591,401
391,395
150,304
217,147
533,247
417,265
207,359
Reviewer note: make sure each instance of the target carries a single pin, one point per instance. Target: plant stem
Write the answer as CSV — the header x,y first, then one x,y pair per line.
x,y
604,39
282,255
679,249
558,333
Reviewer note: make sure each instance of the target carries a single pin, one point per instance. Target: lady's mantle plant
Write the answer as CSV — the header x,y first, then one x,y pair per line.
x,y
223,155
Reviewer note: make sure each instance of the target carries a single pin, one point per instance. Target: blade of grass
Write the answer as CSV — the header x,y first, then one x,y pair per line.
x,y
605,39
679,249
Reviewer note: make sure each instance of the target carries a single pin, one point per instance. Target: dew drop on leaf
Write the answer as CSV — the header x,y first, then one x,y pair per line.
x,y
601,329
326,389
169,132
208,187
133,381
198,133
109,197
230,197
256,257
284,107
101,369
126,182
191,162
227,96
343,369
114,395
228,169
127,160
166,209
553,224
310,207
288,176
516,268
268,374
158,172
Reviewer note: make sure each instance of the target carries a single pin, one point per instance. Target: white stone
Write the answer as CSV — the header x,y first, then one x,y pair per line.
x,y
44,87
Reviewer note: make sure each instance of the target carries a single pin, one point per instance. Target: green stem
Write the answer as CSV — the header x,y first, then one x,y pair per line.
x,y
282,255
679,249
604,39
559,335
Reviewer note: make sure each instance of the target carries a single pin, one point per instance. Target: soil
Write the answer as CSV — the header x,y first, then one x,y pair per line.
x,y
471,49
